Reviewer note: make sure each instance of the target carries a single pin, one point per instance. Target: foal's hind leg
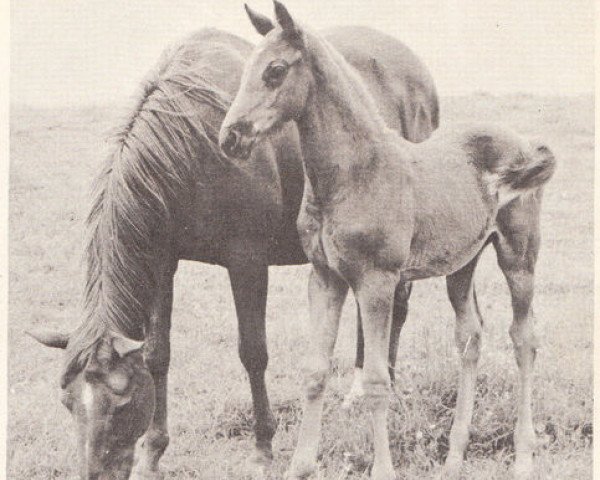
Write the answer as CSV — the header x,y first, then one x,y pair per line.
x,y
401,296
517,247
327,293
461,292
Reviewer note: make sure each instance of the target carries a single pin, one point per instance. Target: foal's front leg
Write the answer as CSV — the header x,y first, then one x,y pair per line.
x,y
327,293
400,311
375,294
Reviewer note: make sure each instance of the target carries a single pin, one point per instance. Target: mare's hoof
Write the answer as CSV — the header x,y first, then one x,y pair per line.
x,y
258,464
139,474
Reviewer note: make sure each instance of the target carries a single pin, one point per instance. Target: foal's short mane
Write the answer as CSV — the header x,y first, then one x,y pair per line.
x,y
341,80
157,155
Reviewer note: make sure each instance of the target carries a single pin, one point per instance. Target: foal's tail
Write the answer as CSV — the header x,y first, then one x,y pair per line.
x,y
514,167
529,170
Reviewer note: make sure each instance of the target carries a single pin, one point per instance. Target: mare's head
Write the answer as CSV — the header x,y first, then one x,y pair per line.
x,y
110,395
275,85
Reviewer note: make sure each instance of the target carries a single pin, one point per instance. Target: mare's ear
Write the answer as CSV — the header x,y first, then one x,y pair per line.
x,y
262,24
292,31
124,346
49,338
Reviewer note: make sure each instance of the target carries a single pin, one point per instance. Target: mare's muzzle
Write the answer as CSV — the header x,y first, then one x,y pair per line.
x,y
236,141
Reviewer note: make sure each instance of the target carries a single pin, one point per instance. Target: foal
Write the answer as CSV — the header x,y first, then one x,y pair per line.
x,y
378,211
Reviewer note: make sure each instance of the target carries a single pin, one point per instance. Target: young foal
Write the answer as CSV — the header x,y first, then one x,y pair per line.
x,y
379,211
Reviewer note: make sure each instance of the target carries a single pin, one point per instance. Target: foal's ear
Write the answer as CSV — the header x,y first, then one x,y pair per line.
x,y
49,338
262,24
285,20
124,346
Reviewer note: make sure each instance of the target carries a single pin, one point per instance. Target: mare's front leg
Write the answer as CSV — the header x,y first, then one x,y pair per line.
x,y
326,292
401,296
157,354
249,280
375,294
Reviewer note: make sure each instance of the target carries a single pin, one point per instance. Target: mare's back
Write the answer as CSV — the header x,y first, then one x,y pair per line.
x,y
400,83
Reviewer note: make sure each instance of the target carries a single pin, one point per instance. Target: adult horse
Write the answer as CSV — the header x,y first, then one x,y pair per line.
x,y
165,194
379,211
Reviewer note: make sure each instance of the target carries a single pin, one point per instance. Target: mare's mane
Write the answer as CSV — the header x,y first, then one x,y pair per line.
x,y
157,156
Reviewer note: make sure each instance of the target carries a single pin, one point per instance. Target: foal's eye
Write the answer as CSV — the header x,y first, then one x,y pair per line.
x,y
275,73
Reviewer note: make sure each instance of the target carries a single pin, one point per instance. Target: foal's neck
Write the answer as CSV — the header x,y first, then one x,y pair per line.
x,y
341,129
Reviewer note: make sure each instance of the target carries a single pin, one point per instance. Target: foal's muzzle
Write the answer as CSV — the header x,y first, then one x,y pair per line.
x,y
236,141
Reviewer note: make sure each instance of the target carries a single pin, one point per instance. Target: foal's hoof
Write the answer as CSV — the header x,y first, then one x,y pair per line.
x,y
349,400
139,474
300,470
353,397
523,469
451,469
356,391
383,474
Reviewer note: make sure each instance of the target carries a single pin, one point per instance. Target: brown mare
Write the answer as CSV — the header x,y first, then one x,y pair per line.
x,y
379,211
165,194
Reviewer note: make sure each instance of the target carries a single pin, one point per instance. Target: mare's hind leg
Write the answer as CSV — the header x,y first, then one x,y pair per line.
x,y
157,353
461,292
517,247
327,293
401,296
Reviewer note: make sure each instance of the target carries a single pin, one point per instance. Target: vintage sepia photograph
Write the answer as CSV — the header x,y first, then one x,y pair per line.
x,y
300,239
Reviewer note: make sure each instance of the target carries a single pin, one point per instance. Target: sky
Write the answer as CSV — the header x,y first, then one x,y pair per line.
x,y
83,52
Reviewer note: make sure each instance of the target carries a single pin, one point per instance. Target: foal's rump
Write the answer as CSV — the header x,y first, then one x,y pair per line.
x,y
461,178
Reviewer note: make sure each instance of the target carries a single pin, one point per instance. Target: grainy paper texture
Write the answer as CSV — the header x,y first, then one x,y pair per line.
x,y
74,66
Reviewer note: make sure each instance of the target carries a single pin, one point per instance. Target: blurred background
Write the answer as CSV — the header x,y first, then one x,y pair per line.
x,y
84,53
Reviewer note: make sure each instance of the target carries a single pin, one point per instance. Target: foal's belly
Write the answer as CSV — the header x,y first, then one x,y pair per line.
x,y
444,259
443,245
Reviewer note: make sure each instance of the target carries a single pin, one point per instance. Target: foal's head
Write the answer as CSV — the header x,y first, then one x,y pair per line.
x,y
111,398
274,88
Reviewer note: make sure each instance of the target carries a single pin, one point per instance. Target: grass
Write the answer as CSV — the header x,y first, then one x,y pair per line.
x,y
54,155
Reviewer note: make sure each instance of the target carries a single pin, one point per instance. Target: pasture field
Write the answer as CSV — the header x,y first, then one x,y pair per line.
x,y
54,156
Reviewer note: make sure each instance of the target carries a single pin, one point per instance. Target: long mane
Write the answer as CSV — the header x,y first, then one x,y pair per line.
x,y
156,157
